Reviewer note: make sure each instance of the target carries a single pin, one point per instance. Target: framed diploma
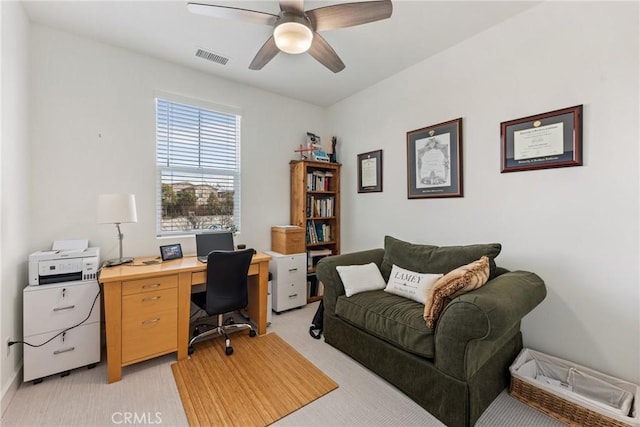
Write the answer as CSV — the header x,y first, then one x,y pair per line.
x,y
548,140
370,172
434,161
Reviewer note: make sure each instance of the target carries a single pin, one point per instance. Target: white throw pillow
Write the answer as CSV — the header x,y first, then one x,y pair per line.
x,y
360,278
410,284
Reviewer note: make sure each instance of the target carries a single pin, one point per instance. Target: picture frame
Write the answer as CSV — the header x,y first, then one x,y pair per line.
x,y
370,172
542,141
168,252
434,161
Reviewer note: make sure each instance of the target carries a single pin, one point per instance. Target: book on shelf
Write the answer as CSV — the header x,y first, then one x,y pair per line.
x,y
319,206
318,232
319,180
314,254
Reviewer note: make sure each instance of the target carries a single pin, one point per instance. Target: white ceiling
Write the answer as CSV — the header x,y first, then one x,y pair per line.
x,y
372,52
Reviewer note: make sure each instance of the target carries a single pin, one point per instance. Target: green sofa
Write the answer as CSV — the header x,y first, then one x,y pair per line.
x,y
454,370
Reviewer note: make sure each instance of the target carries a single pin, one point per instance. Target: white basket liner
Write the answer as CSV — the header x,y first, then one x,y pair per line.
x,y
593,390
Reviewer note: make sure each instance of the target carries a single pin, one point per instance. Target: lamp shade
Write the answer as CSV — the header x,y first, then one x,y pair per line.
x,y
117,208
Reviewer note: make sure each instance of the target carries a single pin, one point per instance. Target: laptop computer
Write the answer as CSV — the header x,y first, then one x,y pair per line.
x,y
218,241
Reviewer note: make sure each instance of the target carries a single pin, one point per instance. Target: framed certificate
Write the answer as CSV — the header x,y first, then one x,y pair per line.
x,y
548,140
370,172
434,161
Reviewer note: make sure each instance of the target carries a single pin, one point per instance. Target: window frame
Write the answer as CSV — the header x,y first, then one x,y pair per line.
x,y
204,171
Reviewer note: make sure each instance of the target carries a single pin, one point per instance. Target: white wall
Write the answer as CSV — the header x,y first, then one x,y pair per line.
x,y
93,132
576,227
14,187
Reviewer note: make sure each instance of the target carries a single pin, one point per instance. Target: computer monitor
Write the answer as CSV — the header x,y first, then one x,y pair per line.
x,y
217,241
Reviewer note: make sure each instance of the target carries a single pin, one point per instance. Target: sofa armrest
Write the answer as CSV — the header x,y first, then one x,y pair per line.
x,y
326,272
473,326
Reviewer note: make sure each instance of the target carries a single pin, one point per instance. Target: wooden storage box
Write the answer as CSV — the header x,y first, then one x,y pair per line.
x,y
544,382
287,239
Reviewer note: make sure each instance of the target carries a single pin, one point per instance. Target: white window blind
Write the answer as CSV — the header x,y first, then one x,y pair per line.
x,y
198,168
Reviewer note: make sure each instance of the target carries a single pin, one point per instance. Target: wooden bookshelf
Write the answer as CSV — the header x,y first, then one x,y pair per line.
x,y
315,206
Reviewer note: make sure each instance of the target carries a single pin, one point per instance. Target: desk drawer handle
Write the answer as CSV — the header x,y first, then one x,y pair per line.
x,y
64,351
64,308
150,299
146,322
293,296
155,285
291,270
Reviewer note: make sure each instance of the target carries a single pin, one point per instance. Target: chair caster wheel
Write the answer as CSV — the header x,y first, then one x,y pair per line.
x,y
228,351
252,333
190,350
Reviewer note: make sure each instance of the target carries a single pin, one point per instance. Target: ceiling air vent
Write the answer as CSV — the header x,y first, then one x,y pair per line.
x,y
213,57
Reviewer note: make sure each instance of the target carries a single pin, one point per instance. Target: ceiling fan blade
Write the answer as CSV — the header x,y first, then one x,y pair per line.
x,y
264,55
325,54
349,14
292,6
225,12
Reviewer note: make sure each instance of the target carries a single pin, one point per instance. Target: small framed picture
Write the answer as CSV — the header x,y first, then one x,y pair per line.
x,y
434,161
547,140
168,252
370,172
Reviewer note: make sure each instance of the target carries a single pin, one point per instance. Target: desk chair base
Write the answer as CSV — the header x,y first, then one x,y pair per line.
x,y
220,329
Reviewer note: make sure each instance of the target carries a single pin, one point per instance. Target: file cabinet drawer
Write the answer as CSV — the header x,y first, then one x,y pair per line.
x,y
149,324
59,306
149,284
78,347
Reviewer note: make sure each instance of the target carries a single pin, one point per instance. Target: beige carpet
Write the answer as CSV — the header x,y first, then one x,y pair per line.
x,y
263,380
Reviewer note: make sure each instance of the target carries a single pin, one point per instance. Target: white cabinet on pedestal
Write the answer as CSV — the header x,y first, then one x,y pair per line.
x,y
48,310
289,286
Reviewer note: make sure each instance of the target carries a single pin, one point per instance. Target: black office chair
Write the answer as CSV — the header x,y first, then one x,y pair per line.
x,y
226,292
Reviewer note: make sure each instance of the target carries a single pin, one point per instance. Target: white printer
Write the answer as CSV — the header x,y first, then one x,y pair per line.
x,y
64,264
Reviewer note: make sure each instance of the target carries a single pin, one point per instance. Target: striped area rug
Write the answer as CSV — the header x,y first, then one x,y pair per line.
x,y
263,380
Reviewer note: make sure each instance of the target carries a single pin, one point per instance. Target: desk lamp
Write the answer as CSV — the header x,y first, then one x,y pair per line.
x,y
116,209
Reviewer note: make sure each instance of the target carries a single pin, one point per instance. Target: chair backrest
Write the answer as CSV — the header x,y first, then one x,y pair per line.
x,y
227,280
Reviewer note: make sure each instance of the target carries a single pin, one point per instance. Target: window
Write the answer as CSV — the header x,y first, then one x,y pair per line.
x,y
198,167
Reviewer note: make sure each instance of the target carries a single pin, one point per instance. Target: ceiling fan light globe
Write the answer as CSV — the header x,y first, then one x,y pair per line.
x,y
293,37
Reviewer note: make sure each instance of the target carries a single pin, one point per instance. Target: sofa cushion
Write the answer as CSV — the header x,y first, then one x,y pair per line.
x,y
410,284
462,279
434,259
394,319
360,278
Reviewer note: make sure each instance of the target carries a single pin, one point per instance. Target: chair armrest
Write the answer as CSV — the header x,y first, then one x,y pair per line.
x,y
326,272
473,326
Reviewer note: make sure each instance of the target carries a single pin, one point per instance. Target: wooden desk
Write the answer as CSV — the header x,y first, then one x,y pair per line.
x,y
147,307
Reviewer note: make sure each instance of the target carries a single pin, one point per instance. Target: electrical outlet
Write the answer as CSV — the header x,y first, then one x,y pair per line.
x,y
8,346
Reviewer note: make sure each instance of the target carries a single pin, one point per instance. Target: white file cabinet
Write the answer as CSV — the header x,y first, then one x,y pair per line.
x,y
289,287
49,310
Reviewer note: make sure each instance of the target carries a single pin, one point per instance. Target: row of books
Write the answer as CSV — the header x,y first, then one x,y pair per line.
x,y
319,206
318,232
319,180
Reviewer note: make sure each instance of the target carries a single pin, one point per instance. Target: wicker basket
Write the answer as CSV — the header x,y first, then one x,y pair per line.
x,y
563,408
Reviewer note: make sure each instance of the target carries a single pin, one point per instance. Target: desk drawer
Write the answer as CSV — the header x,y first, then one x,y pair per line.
x,y
149,324
149,284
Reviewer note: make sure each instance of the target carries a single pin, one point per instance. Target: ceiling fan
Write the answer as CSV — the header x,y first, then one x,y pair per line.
x,y
296,30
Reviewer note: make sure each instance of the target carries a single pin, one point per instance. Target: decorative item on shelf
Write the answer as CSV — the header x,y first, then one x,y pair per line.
x,y
319,156
332,156
117,209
